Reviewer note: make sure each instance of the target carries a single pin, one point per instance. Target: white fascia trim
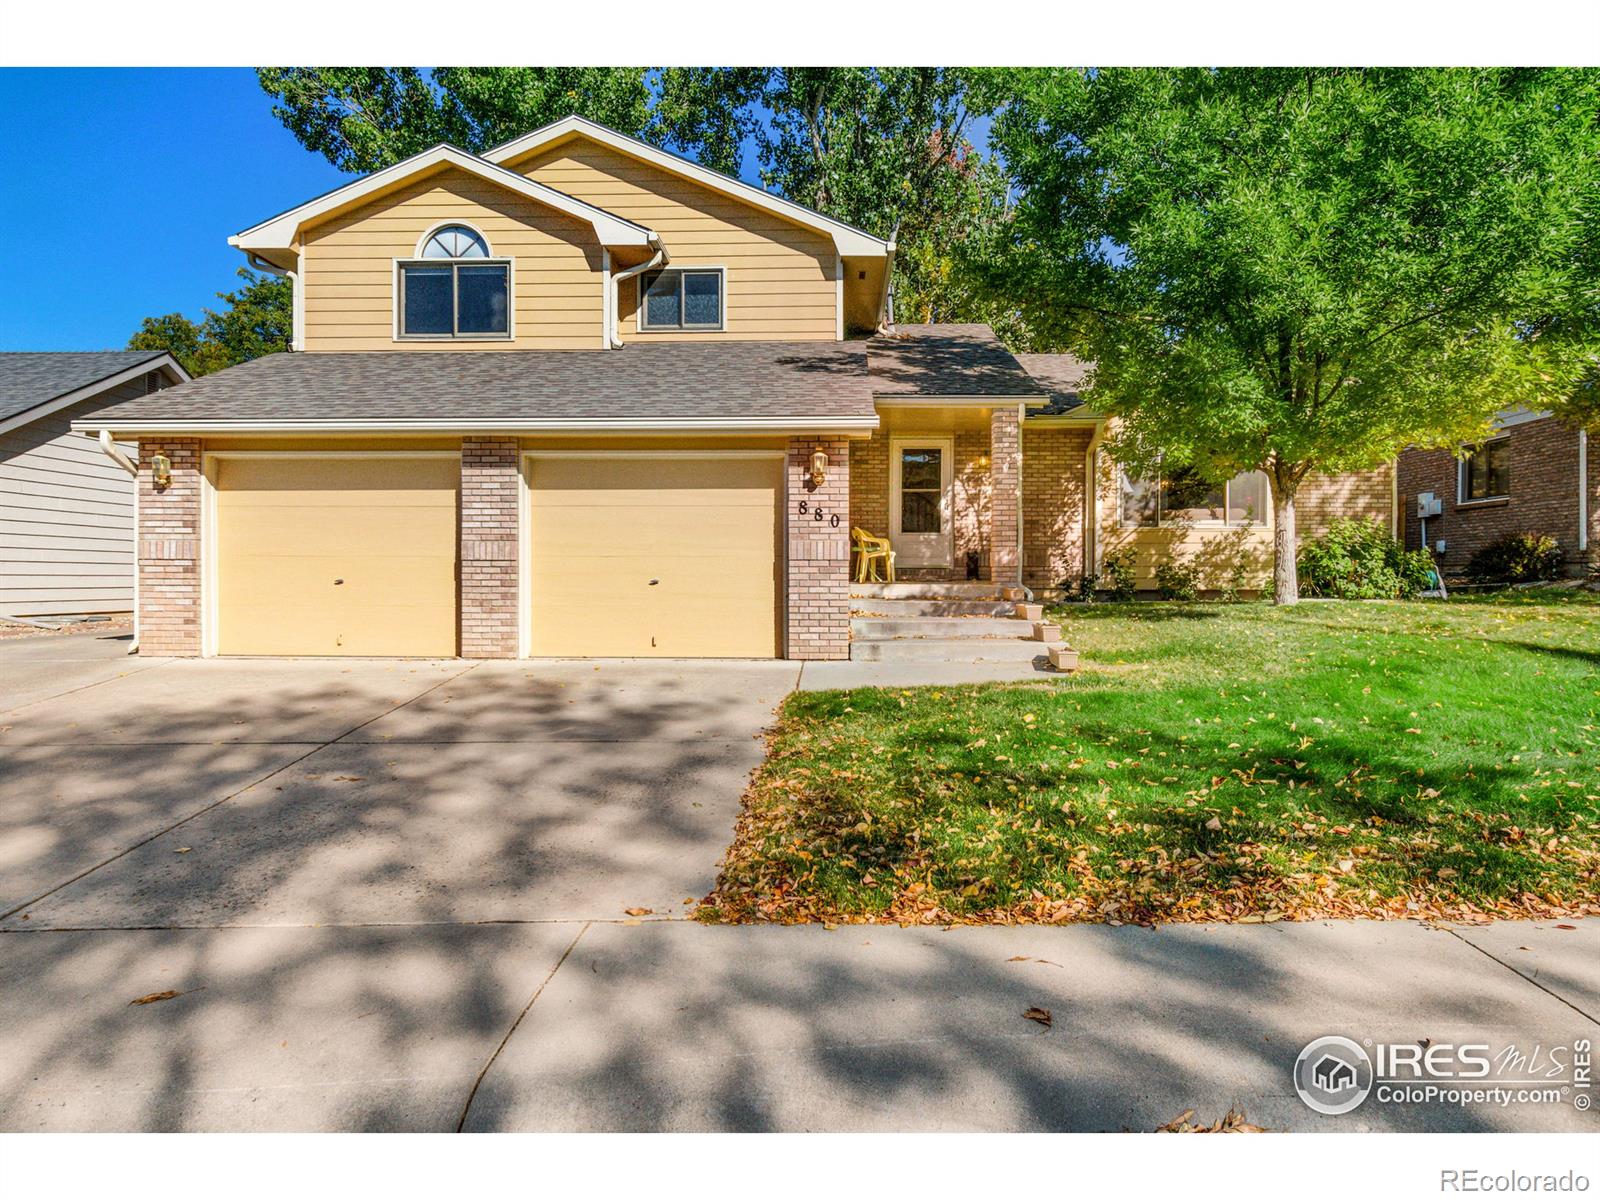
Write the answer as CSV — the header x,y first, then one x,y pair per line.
x,y
588,425
279,232
901,400
1518,416
847,240
162,362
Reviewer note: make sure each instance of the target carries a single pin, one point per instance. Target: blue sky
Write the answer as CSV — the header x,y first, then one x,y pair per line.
x,y
119,200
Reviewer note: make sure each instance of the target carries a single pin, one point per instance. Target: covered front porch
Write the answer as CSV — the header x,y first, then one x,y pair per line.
x,y
942,481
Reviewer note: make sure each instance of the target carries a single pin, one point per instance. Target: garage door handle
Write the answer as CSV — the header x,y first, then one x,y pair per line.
x,y
653,582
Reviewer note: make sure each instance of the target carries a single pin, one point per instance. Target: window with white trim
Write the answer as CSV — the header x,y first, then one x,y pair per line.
x,y
454,289
1486,471
1181,497
682,299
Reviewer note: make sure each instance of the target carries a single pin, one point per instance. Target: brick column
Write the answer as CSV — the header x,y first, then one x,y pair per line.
x,y
489,547
1005,503
169,550
819,551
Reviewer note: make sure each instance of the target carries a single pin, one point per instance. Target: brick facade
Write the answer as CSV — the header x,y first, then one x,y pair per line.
x,y
169,550
818,567
1053,464
1543,495
1005,501
489,548
1323,499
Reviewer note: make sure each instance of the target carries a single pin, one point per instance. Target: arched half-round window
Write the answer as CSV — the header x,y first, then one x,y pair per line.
x,y
455,241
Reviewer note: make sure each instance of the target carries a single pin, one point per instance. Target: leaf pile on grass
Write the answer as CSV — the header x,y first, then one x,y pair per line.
x,y
1213,763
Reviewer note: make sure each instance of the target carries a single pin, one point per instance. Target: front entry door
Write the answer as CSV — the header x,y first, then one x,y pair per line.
x,y
920,475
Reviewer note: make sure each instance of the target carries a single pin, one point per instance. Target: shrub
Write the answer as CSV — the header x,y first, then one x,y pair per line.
x,y
1517,558
1359,560
1118,575
1178,580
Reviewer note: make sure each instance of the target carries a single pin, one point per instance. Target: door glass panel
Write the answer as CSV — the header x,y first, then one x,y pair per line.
x,y
919,512
921,488
920,469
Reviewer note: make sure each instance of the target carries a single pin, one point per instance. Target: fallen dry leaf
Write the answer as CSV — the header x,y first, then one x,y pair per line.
x,y
1041,1015
155,997
638,912
1234,1122
1566,926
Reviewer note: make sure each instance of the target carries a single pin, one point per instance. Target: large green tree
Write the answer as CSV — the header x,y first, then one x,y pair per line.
x,y
1303,270
255,320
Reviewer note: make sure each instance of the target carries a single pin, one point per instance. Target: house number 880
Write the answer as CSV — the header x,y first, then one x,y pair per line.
x,y
819,514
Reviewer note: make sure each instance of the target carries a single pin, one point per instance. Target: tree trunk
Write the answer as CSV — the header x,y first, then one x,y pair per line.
x,y
1285,576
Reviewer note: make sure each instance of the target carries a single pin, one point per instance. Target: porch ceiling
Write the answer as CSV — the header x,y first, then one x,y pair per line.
x,y
943,418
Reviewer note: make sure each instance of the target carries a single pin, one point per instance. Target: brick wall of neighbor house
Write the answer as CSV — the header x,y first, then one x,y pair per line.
x,y
169,550
1323,499
488,531
1005,501
1543,495
1052,506
818,587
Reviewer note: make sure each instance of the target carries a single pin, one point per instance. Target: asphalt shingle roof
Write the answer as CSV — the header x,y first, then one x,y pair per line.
x,y
29,378
1059,377
661,380
946,360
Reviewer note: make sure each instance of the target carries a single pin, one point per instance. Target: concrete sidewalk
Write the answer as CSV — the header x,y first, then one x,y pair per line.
x,y
668,1025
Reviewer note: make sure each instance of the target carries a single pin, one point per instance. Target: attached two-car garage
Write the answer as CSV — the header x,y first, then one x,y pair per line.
x,y
641,555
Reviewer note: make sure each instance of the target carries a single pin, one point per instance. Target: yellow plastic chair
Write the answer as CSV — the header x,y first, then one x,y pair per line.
x,y
870,552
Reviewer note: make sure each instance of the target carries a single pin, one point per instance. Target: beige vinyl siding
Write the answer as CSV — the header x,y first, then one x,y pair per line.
x,y
66,517
348,261
780,277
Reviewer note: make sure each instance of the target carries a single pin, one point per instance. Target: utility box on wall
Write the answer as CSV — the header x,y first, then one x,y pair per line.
x,y
1428,505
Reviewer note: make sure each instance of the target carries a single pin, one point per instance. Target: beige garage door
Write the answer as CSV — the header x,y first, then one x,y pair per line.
x,y
345,555
654,557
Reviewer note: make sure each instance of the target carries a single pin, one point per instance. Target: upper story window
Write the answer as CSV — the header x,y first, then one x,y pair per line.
x,y
1486,471
454,289
1181,497
682,299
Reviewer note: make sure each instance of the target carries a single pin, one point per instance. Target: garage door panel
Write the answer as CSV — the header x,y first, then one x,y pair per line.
x,y
289,528
705,530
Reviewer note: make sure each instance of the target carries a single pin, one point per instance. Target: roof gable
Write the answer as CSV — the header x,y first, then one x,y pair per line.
x,y
280,232
34,384
848,241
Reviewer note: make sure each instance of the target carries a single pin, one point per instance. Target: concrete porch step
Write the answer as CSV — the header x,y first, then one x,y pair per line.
x,y
926,591
960,650
871,606
943,628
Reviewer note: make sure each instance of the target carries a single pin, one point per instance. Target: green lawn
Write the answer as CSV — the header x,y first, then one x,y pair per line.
x,y
1209,762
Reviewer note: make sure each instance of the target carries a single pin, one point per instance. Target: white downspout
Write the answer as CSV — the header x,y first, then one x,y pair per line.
x,y
660,259
115,454
297,291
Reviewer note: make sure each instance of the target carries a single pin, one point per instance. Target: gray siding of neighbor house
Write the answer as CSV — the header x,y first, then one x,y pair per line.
x,y
66,517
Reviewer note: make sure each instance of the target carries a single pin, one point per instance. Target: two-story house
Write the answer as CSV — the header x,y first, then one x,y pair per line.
x,y
579,396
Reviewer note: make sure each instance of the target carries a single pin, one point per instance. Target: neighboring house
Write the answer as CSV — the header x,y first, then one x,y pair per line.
x,y
66,509
579,396
1531,476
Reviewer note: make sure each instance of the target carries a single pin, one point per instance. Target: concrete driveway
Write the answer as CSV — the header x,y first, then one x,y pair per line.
x,y
393,894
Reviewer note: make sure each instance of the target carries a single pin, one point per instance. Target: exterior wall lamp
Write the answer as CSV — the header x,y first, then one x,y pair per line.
x,y
819,467
161,471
